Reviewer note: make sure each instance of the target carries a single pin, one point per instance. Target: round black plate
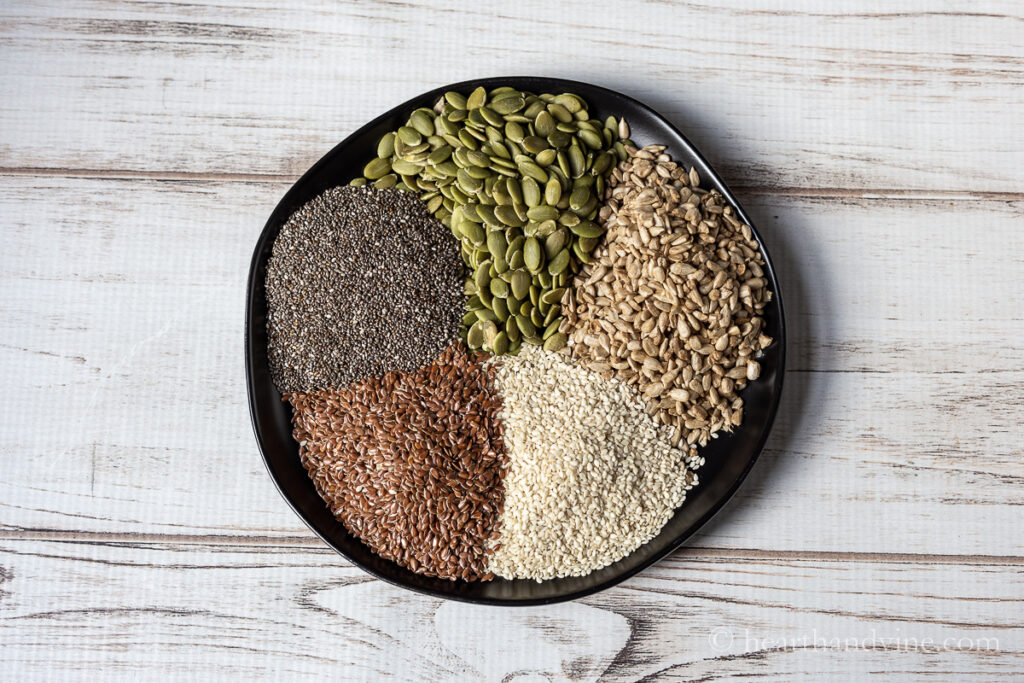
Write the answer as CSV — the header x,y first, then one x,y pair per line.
x,y
729,458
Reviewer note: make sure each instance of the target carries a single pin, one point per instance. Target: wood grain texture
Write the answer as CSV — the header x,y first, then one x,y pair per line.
x,y
919,95
877,148
273,612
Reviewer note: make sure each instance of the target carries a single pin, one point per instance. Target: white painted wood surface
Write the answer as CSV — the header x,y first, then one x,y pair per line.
x,y
877,146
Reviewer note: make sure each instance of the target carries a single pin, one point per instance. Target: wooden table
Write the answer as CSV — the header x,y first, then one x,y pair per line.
x,y
879,149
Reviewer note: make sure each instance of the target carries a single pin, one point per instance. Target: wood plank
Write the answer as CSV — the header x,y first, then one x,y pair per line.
x,y
185,611
920,95
122,320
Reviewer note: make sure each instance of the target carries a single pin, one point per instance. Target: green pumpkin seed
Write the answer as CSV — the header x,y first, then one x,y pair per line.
x,y
559,140
499,288
552,191
387,181
492,117
478,158
485,314
482,276
439,155
422,122
468,141
386,146
547,157
520,283
410,136
516,261
457,100
496,243
544,124
531,192
544,278
579,198
559,263
514,131
507,215
378,168
509,105
406,168
591,139
532,170
534,144
512,329
570,102
526,326
500,344
477,98
577,162
532,254
553,296
555,342
475,335
579,253
486,214
473,232
545,228
536,318
587,229
555,242
542,212
560,113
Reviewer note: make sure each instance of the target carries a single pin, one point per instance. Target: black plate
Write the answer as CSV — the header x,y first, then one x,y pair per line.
x,y
728,458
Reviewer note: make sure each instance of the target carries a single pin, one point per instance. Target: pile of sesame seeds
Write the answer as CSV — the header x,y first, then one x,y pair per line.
x,y
592,475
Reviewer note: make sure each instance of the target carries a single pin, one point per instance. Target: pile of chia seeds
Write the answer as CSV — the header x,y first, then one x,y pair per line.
x,y
362,281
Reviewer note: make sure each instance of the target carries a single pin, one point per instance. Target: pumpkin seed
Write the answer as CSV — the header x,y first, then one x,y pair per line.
x,y
378,168
455,99
477,98
386,146
387,181
542,212
587,229
552,191
520,283
534,144
559,263
526,326
500,344
508,105
409,136
555,342
422,122
531,192
547,157
499,288
559,112
544,124
532,255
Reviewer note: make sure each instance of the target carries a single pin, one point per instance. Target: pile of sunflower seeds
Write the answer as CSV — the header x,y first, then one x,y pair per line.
x,y
361,281
517,177
672,302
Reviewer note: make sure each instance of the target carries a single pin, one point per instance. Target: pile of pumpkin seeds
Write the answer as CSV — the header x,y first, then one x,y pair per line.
x,y
518,179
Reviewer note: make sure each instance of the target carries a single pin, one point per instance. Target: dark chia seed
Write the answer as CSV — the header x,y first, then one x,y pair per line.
x,y
361,282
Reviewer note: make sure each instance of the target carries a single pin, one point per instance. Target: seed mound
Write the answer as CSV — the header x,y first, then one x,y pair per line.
x,y
412,463
361,281
518,177
592,476
672,301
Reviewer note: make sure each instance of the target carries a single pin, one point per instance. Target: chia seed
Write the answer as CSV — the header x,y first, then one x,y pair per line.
x,y
361,281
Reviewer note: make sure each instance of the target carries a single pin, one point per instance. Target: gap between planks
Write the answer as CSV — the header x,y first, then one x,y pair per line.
x,y
838,192
311,543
